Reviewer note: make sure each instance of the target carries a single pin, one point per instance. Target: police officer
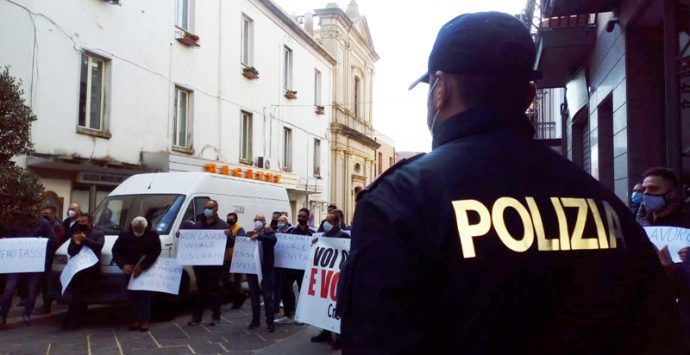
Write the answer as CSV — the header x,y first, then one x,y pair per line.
x,y
493,243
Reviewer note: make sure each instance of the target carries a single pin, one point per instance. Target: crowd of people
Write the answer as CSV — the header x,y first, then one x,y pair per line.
x,y
138,247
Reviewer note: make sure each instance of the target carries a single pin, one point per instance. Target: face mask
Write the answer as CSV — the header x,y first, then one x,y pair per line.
x,y
327,226
232,222
654,203
302,222
258,225
139,234
433,122
71,213
281,225
636,197
208,213
84,228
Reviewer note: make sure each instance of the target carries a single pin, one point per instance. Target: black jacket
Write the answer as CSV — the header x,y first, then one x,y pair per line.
x,y
129,249
336,233
95,238
69,227
297,230
268,240
471,247
679,218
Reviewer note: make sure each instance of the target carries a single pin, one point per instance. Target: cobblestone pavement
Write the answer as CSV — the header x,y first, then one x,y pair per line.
x,y
106,332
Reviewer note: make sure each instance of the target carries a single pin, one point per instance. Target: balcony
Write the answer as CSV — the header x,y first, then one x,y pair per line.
x,y
557,8
563,44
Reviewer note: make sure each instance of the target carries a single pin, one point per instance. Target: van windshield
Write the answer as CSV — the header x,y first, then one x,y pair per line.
x,y
115,213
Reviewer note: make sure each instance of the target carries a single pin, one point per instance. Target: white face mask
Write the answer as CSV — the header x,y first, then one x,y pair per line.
x,y
327,226
258,225
71,213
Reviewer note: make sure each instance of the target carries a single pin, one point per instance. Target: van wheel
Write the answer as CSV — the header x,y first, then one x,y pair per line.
x,y
165,306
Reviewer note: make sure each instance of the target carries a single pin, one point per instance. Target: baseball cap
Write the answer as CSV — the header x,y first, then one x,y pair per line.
x,y
484,43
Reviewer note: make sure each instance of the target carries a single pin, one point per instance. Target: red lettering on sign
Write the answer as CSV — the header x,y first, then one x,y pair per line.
x,y
326,277
334,286
312,281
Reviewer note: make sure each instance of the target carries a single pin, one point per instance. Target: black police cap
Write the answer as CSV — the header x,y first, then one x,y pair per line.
x,y
492,44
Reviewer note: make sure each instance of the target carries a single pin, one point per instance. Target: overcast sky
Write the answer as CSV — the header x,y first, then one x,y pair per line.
x,y
403,36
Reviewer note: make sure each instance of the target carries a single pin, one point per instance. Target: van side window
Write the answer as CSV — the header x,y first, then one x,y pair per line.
x,y
195,209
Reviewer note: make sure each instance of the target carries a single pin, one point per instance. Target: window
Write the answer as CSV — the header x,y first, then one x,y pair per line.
x,y
115,213
317,88
390,161
287,149
194,211
380,163
357,94
182,15
246,138
92,92
317,157
247,41
287,67
182,119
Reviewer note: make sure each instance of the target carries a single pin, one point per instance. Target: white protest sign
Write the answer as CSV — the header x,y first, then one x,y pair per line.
x,y
246,258
201,247
317,298
292,251
84,259
675,238
164,275
22,255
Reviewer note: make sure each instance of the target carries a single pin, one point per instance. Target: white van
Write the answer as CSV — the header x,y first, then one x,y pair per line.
x,y
167,200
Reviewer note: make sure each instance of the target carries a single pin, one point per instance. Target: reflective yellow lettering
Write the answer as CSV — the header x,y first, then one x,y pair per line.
x,y
614,225
577,242
523,244
601,232
542,242
468,231
562,223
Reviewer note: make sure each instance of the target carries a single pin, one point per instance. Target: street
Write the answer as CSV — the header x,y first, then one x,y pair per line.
x,y
106,333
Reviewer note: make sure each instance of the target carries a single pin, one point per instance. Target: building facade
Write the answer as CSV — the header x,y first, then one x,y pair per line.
x,y
345,35
619,71
385,154
230,87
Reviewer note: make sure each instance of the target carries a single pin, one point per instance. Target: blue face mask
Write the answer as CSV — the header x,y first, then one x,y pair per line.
x,y
654,203
636,197
281,225
327,226
208,213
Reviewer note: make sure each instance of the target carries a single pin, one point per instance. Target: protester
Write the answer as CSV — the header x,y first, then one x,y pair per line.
x,y
661,199
50,214
341,216
330,210
267,241
208,277
70,223
274,220
135,251
288,277
493,243
82,288
283,224
636,198
41,229
233,281
332,229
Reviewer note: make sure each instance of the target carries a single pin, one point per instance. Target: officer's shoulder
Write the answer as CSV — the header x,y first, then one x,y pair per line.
x,y
389,172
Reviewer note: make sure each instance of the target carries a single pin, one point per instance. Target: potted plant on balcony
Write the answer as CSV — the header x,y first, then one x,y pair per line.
x,y
250,73
320,110
189,39
290,94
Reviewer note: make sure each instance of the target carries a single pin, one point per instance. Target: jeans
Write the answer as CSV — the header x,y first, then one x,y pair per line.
x,y
265,290
33,280
277,290
208,282
288,278
141,304
46,281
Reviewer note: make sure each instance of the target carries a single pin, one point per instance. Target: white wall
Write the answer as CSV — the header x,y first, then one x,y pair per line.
x,y
146,62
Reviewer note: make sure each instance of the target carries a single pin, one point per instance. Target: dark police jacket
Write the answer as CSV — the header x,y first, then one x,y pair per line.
x,y
129,249
95,238
493,243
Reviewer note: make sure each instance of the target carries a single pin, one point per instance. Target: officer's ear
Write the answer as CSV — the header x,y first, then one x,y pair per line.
x,y
442,91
